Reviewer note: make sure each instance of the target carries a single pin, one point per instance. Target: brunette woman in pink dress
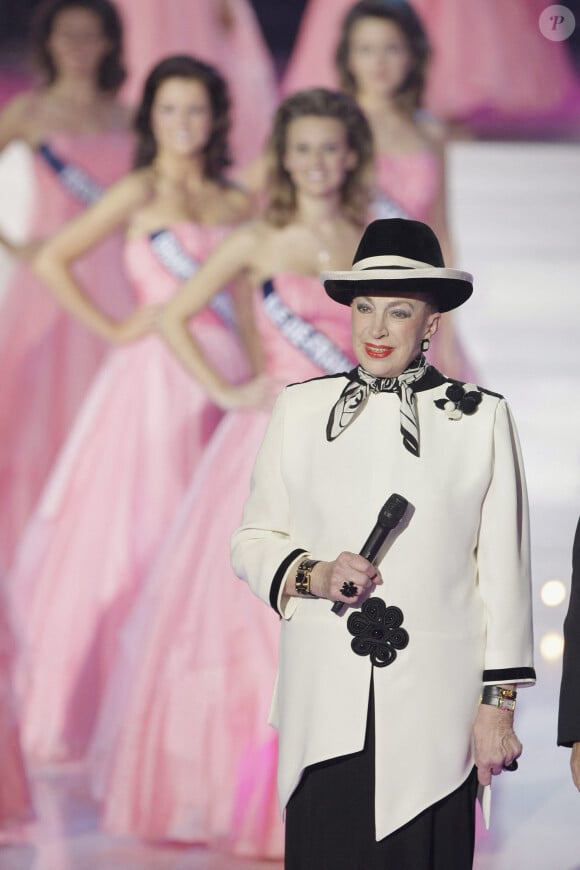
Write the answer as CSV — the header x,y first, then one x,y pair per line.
x,y
192,758
224,33
487,56
144,424
78,134
382,57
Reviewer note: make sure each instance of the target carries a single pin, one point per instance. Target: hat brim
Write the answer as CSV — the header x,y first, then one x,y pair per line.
x,y
450,288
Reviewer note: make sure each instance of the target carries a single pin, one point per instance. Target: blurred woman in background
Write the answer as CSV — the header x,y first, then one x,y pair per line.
x,y
79,135
143,426
193,759
491,59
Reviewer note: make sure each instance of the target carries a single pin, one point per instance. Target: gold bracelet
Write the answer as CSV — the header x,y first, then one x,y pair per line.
x,y
303,573
500,697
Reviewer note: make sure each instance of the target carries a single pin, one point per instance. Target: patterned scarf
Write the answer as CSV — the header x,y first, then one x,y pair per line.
x,y
355,396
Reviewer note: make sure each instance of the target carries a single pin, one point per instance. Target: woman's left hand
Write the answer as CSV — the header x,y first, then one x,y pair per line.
x,y
495,742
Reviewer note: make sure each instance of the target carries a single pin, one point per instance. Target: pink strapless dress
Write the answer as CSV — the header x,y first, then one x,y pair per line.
x,y
47,359
412,181
492,56
155,30
15,801
104,512
193,758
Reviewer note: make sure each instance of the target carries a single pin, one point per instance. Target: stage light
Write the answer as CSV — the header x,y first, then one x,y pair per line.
x,y
552,646
553,593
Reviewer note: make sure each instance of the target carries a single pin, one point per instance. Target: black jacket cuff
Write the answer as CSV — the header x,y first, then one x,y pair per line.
x,y
279,576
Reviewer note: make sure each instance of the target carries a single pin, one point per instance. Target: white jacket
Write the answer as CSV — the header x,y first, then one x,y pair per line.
x,y
457,566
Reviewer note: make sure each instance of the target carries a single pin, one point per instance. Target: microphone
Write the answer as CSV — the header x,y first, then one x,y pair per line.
x,y
390,515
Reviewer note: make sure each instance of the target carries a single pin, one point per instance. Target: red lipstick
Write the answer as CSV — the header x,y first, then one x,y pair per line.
x,y
378,351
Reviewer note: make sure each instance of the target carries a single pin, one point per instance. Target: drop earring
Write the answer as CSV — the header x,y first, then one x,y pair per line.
x,y
425,345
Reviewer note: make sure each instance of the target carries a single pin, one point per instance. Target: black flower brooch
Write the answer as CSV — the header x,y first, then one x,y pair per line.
x,y
377,632
461,399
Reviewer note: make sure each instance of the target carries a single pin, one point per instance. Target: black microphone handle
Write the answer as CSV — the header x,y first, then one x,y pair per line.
x,y
374,542
370,549
389,517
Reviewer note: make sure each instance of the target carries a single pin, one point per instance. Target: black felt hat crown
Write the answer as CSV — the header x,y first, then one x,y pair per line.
x,y
399,256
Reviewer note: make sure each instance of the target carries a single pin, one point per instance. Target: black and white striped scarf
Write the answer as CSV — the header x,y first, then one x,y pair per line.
x,y
355,396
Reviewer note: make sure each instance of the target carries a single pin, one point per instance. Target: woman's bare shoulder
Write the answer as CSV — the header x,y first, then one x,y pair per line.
x,y
17,117
131,193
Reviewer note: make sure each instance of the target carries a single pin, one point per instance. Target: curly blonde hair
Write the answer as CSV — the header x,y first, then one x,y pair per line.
x,y
320,103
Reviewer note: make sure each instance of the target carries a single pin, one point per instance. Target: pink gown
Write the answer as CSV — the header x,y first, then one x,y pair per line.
x,y
193,758
156,29
104,512
47,359
15,801
412,181
487,55
493,57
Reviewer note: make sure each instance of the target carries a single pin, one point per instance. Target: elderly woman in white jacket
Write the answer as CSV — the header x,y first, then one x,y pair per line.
x,y
389,717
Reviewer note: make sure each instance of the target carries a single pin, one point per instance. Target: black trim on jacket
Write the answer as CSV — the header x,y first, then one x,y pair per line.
x,y
508,675
279,576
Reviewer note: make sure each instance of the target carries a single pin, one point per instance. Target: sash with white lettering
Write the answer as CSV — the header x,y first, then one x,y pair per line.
x,y
313,344
168,250
75,180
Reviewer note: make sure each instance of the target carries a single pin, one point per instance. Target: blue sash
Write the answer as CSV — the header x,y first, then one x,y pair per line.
x,y
166,247
75,180
316,346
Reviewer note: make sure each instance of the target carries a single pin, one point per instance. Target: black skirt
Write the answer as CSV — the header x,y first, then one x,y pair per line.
x,y
330,821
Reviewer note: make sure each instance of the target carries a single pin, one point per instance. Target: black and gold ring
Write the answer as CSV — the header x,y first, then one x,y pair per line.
x,y
349,589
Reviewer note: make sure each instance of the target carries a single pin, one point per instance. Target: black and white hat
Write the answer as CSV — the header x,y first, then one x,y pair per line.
x,y
399,256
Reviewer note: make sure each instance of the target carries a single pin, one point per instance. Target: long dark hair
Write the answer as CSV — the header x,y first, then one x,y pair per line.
x,y
320,103
182,66
112,72
410,91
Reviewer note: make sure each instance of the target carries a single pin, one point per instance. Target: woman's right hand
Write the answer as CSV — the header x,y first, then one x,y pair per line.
x,y
258,394
328,579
